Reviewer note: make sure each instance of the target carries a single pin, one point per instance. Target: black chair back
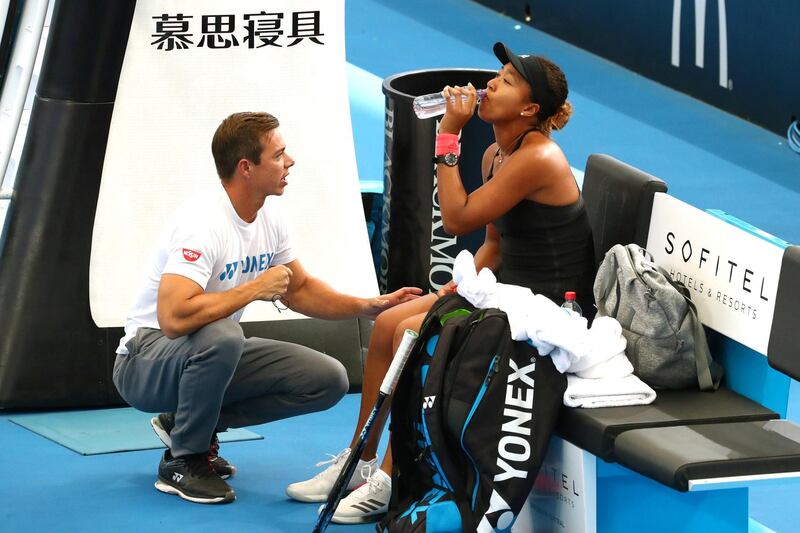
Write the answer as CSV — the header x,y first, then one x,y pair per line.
x,y
619,199
783,351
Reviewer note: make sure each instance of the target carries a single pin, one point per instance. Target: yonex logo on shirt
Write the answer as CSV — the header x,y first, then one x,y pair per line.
x,y
254,263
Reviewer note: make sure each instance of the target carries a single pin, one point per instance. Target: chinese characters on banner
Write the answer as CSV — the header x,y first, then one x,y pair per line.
x,y
255,30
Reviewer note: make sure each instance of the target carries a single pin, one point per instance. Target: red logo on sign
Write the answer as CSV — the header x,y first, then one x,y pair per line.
x,y
191,255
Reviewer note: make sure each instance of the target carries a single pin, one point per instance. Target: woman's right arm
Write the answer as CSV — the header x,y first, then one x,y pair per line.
x,y
488,255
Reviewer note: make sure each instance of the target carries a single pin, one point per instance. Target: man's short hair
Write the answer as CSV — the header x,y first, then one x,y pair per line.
x,y
239,137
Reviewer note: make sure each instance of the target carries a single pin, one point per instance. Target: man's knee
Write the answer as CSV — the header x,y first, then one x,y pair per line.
x,y
332,381
225,335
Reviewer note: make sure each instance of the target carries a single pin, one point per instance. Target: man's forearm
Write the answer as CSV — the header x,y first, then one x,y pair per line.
x,y
317,299
205,308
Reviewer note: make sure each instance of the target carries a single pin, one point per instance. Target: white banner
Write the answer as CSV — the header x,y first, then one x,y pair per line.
x,y
188,65
731,274
564,498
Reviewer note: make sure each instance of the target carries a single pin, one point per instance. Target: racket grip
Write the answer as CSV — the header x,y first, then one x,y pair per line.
x,y
399,361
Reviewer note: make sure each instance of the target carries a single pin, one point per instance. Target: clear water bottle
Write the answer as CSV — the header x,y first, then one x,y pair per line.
x,y
571,304
432,105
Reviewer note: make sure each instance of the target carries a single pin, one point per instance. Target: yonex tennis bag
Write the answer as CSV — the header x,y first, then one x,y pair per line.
x,y
472,415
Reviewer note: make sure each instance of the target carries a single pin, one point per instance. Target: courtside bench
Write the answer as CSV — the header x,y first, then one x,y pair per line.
x,y
685,462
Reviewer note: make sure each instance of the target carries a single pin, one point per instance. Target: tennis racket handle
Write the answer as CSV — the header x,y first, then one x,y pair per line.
x,y
399,361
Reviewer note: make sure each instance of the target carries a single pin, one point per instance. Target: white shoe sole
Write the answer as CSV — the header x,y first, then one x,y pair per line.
x,y
357,519
350,520
313,498
307,498
160,433
169,489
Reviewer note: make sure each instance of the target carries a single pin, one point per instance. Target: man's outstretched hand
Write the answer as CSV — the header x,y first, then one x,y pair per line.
x,y
385,301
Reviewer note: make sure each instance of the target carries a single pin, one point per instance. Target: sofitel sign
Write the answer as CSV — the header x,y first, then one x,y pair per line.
x,y
731,273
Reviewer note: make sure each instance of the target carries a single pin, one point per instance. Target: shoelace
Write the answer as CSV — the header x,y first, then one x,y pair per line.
x,y
333,461
372,482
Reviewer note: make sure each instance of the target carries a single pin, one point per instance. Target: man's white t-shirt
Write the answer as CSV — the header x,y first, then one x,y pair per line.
x,y
207,242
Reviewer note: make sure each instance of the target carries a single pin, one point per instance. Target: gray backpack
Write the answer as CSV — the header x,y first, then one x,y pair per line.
x,y
666,341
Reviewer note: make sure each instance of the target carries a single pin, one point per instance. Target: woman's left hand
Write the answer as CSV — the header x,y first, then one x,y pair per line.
x,y
461,102
448,288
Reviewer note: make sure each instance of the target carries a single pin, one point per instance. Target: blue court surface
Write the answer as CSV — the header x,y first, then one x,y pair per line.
x,y
709,158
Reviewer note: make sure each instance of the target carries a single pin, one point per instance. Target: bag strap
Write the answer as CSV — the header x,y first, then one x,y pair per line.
x,y
702,356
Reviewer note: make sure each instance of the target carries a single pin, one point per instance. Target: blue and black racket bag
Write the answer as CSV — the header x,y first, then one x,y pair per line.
x,y
472,415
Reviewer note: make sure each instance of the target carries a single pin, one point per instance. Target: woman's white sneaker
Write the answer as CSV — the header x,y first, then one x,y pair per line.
x,y
367,503
318,487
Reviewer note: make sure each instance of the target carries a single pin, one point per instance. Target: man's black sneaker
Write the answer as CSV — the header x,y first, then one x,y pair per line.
x,y
192,478
222,467
163,424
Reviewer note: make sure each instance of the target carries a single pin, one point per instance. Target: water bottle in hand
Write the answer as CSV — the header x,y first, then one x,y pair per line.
x,y
431,105
571,304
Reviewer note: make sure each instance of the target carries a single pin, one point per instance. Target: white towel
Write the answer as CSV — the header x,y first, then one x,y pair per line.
x,y
600,373
607,392
598,352
591,352
513,301
479,289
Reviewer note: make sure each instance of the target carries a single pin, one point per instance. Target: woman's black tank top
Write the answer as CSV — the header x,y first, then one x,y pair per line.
x,y
548,249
